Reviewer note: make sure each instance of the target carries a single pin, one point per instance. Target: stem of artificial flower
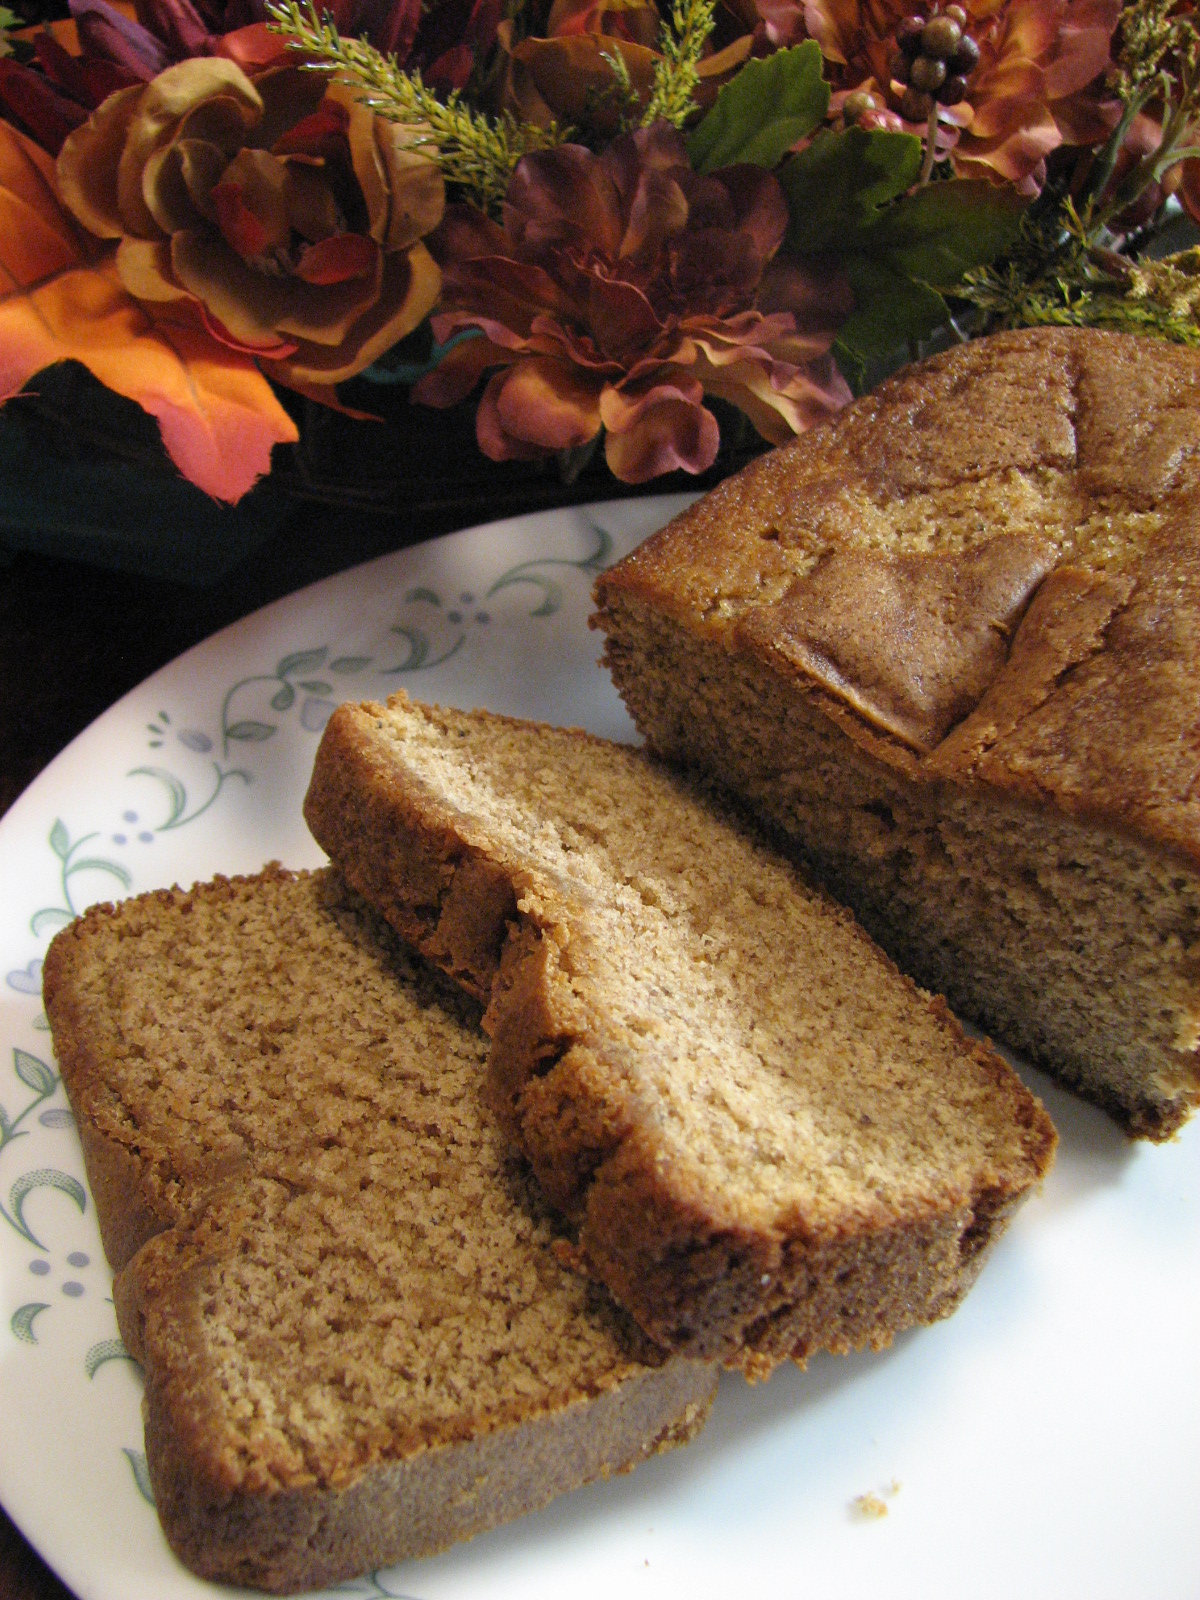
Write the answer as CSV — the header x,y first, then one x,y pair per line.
x,y
931,130
1176,125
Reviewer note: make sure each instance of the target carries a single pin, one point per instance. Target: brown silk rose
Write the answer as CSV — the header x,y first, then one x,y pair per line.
x,y
287,214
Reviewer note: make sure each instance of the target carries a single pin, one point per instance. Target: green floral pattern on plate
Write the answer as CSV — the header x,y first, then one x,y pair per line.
x,y
191,769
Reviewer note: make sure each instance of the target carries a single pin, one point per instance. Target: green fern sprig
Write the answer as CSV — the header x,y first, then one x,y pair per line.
x,y
1074,282
676,75
620,97
476,152
1153,38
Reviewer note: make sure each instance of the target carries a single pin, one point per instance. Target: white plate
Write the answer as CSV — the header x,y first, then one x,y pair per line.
x,y
1045,1441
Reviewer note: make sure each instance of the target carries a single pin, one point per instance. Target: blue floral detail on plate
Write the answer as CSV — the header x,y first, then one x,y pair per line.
x,y
26,980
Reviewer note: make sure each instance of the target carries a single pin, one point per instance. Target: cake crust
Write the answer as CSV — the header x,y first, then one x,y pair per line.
x,y
359,1341
677,1097
975,593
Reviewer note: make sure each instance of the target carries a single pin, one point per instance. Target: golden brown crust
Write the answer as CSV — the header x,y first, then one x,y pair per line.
x,y
948,644
254,1519
794,559
360,1344
578,1079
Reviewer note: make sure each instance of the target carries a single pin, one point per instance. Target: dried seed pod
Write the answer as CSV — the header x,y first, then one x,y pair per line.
x,y
916,106
856,105
940,37
966,58
908,34
928,74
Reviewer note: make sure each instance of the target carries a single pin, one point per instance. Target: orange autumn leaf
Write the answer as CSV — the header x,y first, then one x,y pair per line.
x,y
61,299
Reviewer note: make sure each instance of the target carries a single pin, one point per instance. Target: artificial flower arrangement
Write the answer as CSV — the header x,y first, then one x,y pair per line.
x,y
588,219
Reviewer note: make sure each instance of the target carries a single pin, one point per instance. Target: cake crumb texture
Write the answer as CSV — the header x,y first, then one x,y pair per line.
x,y
359,1341
769,1141
947,644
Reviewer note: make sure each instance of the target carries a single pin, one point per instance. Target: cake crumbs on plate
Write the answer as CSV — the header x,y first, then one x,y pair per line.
x,y
870,1507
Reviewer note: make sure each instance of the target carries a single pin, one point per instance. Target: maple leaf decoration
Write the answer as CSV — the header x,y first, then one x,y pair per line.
x,y
61,299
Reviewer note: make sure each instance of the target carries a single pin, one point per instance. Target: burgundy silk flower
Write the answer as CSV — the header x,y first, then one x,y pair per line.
x,y
621,290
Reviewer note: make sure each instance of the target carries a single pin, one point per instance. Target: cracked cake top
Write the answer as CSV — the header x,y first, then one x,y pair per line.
x,y
986,569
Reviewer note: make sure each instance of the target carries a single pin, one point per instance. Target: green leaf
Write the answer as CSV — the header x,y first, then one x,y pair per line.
x,y
301,661
141,1473
890,312
21,1321
48,917
34,1074
99,864
176,793
60,840
347,664
428,595
837,186
945,229
552,593
763,111
250,732
316,686
43,1178
418,648
106,1350
283,698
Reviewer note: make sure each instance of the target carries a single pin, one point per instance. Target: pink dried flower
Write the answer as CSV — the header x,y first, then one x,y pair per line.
x,y
1028,94
621,290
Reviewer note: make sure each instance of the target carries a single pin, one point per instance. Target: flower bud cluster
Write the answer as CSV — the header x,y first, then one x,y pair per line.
x,y
934,58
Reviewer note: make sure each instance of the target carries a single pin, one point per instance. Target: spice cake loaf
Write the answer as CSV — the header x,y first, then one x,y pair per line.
x,y
768,1140
359,1341
948,645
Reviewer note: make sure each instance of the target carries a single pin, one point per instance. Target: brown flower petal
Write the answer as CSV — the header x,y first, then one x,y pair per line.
x,y
569,79
87,164
1034,55
459,370
144,267
624,286
662,431
281,209
289,95
407,294
251,205
320,136
255,305
218,94
179,180
334,260
489,430
416,190
312,206
545,404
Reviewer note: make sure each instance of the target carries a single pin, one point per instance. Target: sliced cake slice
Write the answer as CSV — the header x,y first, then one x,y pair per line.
x,y
768,1140
359,1340
948,644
